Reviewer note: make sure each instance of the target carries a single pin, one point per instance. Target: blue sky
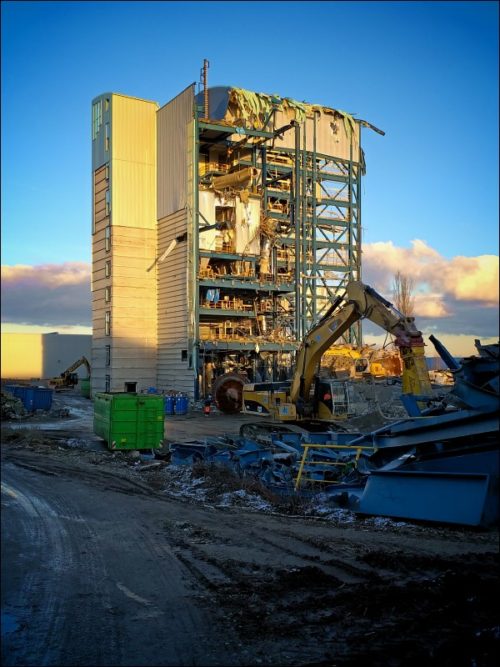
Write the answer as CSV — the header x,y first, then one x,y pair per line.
x,y
424,72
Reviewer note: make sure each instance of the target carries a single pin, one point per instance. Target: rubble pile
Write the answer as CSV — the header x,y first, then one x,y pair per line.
x,y
12,407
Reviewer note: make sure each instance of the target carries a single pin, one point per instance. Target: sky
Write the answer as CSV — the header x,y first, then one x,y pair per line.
x,y
424,72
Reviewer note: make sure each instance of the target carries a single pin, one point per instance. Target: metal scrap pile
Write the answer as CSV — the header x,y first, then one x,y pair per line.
x,y
440,463
277,459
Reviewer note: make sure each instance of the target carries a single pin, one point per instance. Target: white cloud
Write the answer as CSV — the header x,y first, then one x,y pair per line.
x,y
441,284
455,299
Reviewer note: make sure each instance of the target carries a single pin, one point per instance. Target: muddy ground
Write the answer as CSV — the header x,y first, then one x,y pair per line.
x,y
105,561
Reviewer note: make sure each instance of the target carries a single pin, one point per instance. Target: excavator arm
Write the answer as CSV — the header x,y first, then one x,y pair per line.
x,y
362,302
83,361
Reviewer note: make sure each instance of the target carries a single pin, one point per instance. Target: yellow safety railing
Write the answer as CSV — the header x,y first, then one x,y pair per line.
x,y
308,446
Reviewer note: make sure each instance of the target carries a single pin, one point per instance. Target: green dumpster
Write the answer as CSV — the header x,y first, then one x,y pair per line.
x,y
85,387
128,420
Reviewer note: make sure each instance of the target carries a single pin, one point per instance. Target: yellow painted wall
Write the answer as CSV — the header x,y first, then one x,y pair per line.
x,y
39,356
133,162
22,356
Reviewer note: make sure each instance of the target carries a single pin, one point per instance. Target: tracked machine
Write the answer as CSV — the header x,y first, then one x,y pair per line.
x,y
310,400
69,378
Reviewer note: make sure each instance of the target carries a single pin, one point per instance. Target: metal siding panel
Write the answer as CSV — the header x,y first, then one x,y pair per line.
x,y
133,162
173,121
173,373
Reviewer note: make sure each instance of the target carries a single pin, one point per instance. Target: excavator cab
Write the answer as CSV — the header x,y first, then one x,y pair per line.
x,y
331,400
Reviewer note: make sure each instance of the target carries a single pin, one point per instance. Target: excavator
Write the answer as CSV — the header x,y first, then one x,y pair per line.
x,y
69,378
309,398
356,363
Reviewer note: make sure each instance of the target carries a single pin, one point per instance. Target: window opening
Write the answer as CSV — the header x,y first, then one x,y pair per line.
x,y
107,383
107,323
107,238
108,355
96,118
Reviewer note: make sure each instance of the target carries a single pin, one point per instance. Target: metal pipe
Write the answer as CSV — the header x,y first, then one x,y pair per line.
x,y
296,215
303,224
314,217
205,89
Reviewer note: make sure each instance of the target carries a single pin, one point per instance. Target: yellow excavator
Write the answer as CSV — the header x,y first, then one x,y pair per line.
x,y
69,378
356,363
308,397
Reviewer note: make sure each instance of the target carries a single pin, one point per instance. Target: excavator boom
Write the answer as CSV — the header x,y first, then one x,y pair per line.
x,y
362,302
359,302
68,377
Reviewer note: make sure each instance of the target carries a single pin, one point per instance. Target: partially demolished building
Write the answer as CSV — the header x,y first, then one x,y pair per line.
x,y
224,225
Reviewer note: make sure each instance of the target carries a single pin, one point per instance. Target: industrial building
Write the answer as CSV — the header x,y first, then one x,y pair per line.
x,y
36,356
224,224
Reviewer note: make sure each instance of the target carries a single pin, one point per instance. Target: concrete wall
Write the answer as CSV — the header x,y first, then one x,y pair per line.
x,y
42,356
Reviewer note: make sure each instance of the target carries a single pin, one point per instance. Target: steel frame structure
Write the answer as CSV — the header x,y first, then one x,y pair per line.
x,y
313,201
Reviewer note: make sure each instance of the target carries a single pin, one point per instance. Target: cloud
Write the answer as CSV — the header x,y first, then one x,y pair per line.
x,y
462,291
53,295
443,287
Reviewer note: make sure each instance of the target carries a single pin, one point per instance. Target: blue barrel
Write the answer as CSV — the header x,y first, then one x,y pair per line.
x,y
152,390
169,405
181,405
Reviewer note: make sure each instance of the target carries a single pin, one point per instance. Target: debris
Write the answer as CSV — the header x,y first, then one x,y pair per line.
x,y
150,466
12,407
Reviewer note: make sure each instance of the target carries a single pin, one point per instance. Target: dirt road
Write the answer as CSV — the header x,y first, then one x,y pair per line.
x,y
101,568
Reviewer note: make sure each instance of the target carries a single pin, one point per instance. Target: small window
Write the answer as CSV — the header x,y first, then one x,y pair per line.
x,y
107,238
107,268
106,172
96,118
107,294
131,387
107,323
108,201
108,355
106,104
107,383
106,137
184,355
